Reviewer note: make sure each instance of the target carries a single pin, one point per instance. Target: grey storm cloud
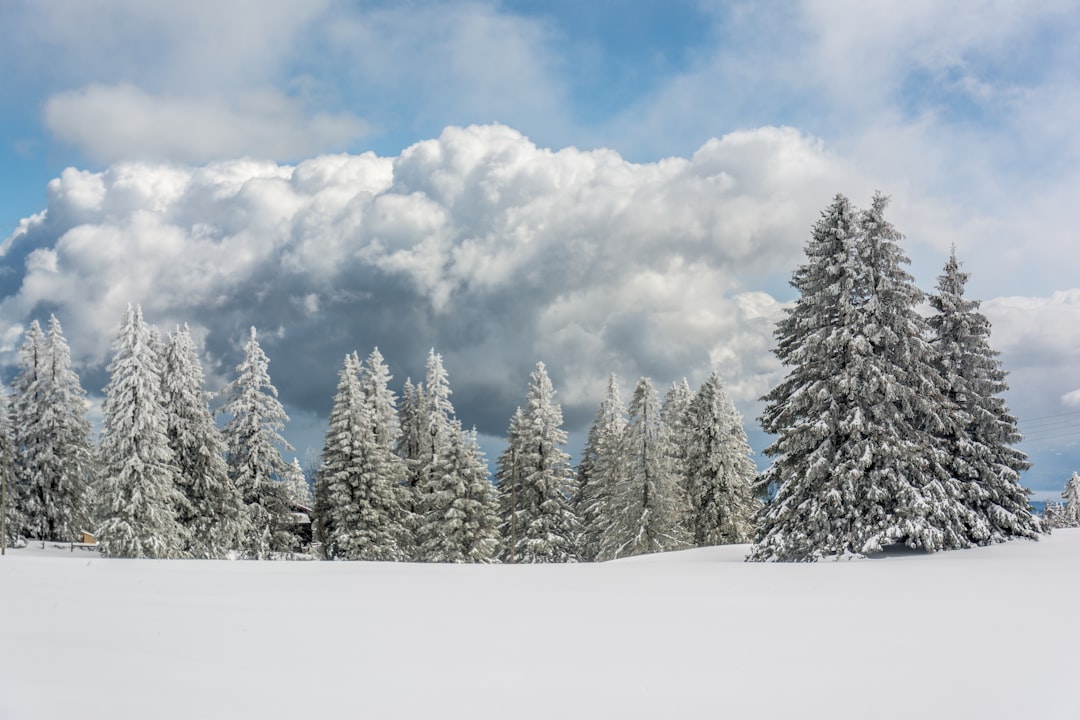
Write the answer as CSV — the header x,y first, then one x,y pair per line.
x,y
480,244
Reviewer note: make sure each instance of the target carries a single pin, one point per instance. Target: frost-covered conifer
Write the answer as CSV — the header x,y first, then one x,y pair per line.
x,y
213,511
429,424
984,460
1070,513
647,510
27,407
536,482
673,412
601,468
1053,516
52,438
252,439
358,490
136,494
296,485
412,426
719,469
375,380
459,511
858,462
11,521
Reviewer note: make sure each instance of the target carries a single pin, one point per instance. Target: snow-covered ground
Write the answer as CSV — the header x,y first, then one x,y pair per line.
x,y
984,633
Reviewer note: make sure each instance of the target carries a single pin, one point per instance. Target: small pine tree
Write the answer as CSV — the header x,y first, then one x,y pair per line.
x,y
719,469
536,482
136,494
647,509
252,439
1053,516
460,518
1070,514
296,485
213,510
601,468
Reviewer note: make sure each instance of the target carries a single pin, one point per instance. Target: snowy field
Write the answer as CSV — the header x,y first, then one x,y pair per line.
x,y
984,633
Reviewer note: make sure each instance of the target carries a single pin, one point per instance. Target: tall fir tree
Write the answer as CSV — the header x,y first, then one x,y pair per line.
x,y
252,441
984,458
1070,513
10,520
459,510
536,481
54,468
358,490
719,469
647,511
213,510
28,435
674,413
136,494
600,470
386,436
412,431
859,463
375,380
430,426
69,463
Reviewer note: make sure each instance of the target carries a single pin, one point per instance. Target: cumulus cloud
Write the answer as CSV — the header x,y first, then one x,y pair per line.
x,y
198,82
495,251
116,122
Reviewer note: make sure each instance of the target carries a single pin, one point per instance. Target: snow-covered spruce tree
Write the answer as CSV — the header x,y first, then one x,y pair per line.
x,y
858,461
601,468
536,481
136,493
984,460
52,438
1070,514
213,511
430,426
386,429
1053,516
375,380
459,509
358,489
719,470
673,412
252,438
27,513
296,485
647,509
411,439
11,523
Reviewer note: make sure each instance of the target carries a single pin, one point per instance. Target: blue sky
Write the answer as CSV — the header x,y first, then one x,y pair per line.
x,y
605,186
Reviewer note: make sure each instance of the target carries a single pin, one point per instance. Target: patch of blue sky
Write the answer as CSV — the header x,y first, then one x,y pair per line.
x,y
615,52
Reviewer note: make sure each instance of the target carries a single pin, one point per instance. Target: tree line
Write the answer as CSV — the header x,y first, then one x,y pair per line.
x,y
397,479
890,427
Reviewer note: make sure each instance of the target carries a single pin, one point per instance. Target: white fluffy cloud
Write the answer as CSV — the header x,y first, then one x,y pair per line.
x,y
114,122
496,251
